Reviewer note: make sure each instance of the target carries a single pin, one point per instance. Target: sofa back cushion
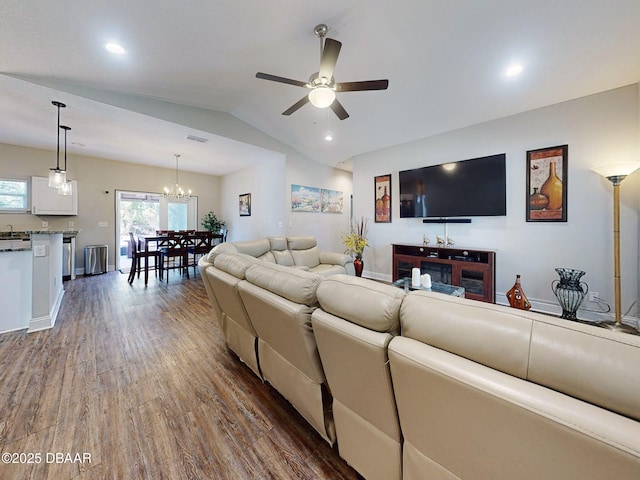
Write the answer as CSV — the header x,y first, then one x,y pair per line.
x,y
280,252
367,303
304,251
255,248
594,364
492,335
235,264
295,285
582,361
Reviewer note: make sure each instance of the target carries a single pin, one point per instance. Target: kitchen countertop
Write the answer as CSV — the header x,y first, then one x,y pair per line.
x,y
21,240
66,233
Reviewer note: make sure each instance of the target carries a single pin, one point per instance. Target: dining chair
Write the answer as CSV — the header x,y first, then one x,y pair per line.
x,y
201,244
174,253
137,254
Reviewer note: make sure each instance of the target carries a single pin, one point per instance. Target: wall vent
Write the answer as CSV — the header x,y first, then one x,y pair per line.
x,y
197,139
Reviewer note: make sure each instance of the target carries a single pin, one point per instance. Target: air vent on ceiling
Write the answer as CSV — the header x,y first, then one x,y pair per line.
x,y
197,139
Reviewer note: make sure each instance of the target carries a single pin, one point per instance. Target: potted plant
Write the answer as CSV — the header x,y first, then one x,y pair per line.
x,y
356,241
211,223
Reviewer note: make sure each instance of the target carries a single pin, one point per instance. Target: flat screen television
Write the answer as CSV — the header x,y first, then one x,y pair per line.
x,y
467,188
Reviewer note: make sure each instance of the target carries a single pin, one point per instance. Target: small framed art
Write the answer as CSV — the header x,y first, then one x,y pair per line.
x,y
245,204
382,197
547,184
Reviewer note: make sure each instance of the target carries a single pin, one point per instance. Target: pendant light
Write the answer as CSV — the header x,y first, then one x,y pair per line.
x,y
57,177
176,192
67,187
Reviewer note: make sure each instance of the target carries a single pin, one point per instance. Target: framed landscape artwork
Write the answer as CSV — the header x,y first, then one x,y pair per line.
x,y
331,201
305,199
244,201
382,197
547,184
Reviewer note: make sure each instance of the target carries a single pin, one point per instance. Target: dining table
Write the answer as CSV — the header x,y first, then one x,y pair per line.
x,y
158,242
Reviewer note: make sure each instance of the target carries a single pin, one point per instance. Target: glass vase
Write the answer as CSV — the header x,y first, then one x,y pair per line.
x,y
569,291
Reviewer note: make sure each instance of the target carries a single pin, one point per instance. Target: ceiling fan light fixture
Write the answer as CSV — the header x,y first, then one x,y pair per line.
x,y
513,70
115,48
322,96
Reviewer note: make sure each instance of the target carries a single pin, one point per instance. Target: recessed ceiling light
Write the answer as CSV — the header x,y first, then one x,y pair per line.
x,y
513,70
115,48
328,137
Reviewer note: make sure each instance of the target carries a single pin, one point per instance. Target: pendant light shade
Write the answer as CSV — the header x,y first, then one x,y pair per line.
x,y
57,176
67,187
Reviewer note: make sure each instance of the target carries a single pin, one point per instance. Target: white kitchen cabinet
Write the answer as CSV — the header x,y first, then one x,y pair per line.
x,y
46,201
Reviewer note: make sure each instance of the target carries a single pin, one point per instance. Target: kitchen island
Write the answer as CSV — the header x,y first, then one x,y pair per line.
x,y
31,287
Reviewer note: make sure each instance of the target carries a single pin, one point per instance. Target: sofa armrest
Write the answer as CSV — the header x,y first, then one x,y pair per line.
x,y
333,258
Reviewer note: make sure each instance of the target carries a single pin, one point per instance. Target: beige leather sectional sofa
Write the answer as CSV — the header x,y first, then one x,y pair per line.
x,y
298,252
426,386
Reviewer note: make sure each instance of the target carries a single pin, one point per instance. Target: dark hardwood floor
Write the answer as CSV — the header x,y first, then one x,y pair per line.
x,y
140,380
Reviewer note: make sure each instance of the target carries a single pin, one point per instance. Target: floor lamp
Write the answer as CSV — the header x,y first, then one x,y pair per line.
x,y
615,173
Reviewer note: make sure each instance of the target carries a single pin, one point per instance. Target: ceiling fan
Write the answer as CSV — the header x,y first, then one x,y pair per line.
x,y
322,84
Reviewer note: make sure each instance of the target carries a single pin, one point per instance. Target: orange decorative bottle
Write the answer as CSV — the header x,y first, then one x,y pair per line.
x,y
516,297
552,189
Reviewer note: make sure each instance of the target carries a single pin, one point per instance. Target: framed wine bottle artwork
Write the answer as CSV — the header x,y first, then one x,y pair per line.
x,y
382,198
547,184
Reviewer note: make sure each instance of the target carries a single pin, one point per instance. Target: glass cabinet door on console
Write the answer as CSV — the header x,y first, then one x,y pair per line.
x,y
440,272
472,269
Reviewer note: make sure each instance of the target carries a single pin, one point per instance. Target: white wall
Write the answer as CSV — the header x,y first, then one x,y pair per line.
x,y
598,129
264,182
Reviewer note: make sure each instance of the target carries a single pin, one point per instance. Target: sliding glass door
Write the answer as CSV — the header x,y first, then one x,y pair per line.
x,y
143,213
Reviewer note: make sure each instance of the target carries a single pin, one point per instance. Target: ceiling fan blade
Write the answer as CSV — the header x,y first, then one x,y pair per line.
x,y
329,58
339,110
360,86
300,103
275,78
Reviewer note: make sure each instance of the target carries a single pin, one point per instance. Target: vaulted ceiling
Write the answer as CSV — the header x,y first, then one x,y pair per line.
x,y
445,61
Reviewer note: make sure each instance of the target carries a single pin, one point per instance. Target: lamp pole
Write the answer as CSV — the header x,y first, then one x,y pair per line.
x,y
617,325
616,250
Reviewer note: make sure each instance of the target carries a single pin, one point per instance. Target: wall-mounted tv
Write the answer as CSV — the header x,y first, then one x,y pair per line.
x,y
467,188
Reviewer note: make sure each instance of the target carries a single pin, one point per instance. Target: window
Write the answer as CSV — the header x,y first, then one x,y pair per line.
x,y
14,195
177,213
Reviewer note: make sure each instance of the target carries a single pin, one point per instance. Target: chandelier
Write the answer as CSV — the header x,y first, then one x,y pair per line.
x,y
176,192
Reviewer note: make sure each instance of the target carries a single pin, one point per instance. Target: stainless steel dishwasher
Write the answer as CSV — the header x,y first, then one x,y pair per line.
x,y
68,258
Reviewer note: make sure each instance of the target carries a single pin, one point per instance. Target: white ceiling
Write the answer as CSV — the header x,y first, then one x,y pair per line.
x,y
445,62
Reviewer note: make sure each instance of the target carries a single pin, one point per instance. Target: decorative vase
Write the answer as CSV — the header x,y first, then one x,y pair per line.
x,y
516,297
569,291
537,201
386,203
552,189
358,263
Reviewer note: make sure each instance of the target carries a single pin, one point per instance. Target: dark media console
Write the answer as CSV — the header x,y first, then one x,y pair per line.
x,y
472,269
